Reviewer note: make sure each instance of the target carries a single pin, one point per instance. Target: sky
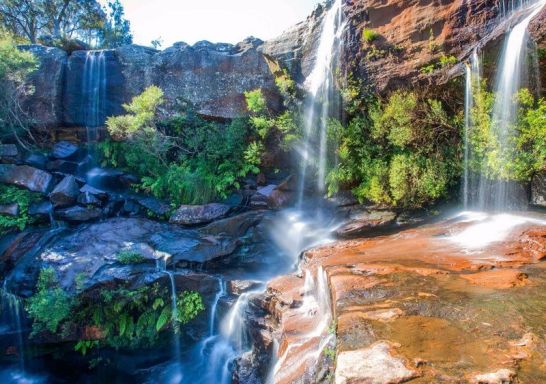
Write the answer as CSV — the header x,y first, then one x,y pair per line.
x,y
227,21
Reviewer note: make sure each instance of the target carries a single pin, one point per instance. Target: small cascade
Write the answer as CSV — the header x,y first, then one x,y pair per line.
x,y
507,7
472,86
316,306
499,195
320,103
175,370
12,309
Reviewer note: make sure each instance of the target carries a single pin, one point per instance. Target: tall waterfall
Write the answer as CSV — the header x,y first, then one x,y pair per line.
x,y
94,92
320,102
501,195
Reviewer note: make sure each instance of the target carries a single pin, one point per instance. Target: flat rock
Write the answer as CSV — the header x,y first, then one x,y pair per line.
x,y
498,278
9,209
199,214
373,365
366,221
78,214
234,226
156,206
36,159
237,287
25,176
64,150
65,193
502,376
8,152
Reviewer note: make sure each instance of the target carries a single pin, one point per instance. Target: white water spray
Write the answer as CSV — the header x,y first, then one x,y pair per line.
x,y
320,84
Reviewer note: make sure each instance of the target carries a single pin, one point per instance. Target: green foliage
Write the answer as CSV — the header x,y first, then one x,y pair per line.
x,y
524,151
369,35
129,257
330,352
186,158
23,197
15,67
447,61
56,22
403,153
375,53
428,69
255,101
83,346
50,305
133,318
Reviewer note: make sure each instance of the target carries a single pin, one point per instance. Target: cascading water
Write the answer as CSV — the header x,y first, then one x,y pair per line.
x,y
501,195
94,92
320,102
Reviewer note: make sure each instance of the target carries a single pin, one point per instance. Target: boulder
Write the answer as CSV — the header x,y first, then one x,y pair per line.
x,y
40,210
98,193
87,198
8,153
64,150
366,222
235,226
25,176
78,214
62,166
373,365
538,189
9,209
37,160
274,196
238,287
156,206
65,193
45,104
199,214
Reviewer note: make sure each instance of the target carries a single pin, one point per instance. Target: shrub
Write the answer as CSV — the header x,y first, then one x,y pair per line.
x,y
50,304
369,35
128,257
23,197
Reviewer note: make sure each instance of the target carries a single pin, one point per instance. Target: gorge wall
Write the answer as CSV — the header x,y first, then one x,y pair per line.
x,y
410,35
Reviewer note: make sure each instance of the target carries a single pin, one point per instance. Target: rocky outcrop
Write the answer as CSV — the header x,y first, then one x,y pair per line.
x,y
538,189
45,104
199,214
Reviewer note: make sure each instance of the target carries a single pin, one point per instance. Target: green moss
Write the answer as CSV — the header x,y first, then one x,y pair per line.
x,y
129,257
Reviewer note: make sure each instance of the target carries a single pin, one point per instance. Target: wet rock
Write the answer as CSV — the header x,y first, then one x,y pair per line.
x,y
365,222
237,287
64,150
98,193
38,160
65,193
87,198
78,214
41,210
199,214
131,207
272,196
63,166
25,176
105,178
189,248
373,365
44,105
344,199
8,153
538,189
498,278
502,376
235,226
9,209
156,206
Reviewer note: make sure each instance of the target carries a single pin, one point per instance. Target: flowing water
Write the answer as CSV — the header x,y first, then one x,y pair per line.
x,y
499,195
321,101
94,92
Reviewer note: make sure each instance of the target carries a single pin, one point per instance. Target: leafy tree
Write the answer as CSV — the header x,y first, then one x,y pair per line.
x,y
116,30
15,67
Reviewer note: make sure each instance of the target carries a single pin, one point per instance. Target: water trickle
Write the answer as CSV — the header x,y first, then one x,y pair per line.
x,y
12,309
320,103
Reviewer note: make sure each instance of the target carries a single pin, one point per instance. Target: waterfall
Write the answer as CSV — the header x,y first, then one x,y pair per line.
x,y
498,194
12,309
94,93
472,86
318,105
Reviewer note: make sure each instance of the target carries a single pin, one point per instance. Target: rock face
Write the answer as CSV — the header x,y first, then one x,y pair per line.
x,y
65,193
75,99
211,78
45,104
538,189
